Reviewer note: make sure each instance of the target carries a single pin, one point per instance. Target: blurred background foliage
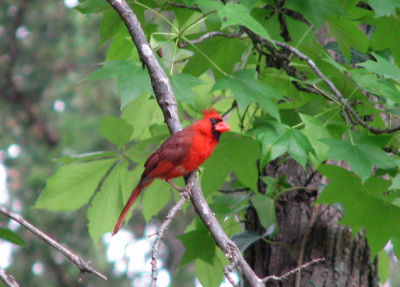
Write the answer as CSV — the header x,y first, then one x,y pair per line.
x,y
46,111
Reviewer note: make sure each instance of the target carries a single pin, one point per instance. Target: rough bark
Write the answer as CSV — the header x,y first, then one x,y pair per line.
x,y
347,258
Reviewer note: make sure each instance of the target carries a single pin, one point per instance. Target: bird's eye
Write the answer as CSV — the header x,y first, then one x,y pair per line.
x,y
214,121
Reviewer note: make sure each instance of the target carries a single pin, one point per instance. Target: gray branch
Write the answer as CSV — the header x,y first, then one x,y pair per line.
x,y
84,266
291,272
208,36
8,280
160,82
160,236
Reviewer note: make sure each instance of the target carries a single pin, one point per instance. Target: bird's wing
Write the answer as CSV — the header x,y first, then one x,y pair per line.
x,y
170,154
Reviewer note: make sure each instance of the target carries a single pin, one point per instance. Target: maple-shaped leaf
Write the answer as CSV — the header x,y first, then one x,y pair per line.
x,y
132,79
364,204
246,89
73,185
361,153
276,139
199,244
107,204
234,152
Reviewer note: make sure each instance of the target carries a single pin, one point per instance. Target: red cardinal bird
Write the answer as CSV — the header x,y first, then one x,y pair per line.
x,y
179,155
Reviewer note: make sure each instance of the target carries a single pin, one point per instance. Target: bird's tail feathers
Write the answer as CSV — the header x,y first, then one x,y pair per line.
x,y
128,205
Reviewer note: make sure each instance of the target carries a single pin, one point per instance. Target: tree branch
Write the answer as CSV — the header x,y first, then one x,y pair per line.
x,y
208,36
159,80
160,235
291,272
166,100
84,266
8,280
336,96
227,246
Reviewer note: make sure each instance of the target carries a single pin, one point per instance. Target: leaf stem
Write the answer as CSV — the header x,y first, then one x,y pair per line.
x,y
205,56
280,244
157,13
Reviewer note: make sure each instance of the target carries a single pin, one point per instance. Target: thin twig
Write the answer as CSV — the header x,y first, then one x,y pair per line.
x,y
178,5
84,266
8,280
227,246
291,272
228,270
208,36
160,234
338,95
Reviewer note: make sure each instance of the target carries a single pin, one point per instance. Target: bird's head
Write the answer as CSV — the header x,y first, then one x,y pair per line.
x,y
218,126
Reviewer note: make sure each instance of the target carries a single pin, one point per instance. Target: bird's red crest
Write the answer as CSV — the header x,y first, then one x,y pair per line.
x,y
211,113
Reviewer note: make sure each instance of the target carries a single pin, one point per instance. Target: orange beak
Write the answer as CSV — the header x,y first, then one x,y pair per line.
x,y
222,127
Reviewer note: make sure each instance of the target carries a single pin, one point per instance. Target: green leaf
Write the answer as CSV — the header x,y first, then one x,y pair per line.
x,y
215,52
230,224
316,11
297,145
210,274
348,35
142,113
382,67
276,139
116,130
384,7
73,185
265,207
107,204
246,89
249,4
109,25
387,35
396,246
268,133
11,236
228,205
378,86
182,85
234,152
122,47
364,204
396,182
132,79
383,266
314,130
236,14
199,244
156,197
92,6
85,157
361,155
245,239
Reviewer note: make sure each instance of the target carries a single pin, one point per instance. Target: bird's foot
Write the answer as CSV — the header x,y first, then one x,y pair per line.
x,y
174,185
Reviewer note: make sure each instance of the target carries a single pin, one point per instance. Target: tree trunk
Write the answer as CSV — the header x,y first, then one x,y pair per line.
x,y
309,232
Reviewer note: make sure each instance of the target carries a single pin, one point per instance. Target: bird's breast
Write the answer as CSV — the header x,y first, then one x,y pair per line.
x,y
201,149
